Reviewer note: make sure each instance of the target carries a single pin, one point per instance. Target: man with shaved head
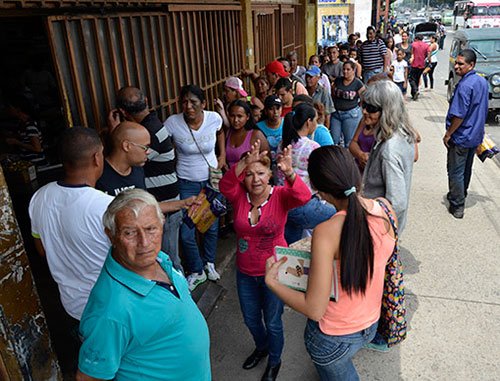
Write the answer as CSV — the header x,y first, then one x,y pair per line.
x,y
123,169
159,171
66,219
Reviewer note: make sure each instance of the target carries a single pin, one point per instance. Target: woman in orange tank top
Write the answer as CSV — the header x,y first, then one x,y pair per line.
x,y
360,238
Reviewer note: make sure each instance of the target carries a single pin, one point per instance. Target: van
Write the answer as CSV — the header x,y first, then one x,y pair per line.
x,y
485,42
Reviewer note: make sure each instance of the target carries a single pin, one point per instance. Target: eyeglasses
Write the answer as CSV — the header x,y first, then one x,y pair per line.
x,y
145,148
371,108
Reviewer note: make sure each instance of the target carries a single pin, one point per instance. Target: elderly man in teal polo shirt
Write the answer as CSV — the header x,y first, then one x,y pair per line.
x,y
140,322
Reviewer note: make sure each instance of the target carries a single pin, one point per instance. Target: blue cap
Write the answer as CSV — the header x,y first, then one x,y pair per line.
x,y
313,71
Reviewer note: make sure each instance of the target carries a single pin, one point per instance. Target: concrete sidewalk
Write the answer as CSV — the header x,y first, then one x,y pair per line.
x,y
452,283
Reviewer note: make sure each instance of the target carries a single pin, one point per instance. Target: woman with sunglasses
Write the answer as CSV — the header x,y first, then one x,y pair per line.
x,y
346,91
389,167
259,213
360,239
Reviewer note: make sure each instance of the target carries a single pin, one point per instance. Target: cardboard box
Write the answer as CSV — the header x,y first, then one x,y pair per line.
x,y
20,172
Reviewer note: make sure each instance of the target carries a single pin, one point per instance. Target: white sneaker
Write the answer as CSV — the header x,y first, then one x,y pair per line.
x,y
211,272
195,279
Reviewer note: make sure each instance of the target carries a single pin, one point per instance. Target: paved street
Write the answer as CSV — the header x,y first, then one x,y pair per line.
x,y
451,271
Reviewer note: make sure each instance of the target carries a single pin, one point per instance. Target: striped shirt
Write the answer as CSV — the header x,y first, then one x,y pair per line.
x,y
372,54
28,130
161,179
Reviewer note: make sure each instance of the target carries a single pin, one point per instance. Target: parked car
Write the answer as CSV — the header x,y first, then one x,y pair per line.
x,y
486,43
414,21
425,30
447,17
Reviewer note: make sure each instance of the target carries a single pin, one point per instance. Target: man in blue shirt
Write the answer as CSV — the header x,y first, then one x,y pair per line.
x,y
464,128
140,322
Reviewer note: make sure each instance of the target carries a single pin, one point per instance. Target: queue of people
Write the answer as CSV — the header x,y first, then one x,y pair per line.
x,y
288,173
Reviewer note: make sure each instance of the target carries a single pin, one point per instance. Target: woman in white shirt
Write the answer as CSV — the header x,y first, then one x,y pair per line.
x,y
195,133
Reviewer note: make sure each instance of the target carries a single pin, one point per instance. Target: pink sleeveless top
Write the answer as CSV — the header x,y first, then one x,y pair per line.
x,y
233,154
357,312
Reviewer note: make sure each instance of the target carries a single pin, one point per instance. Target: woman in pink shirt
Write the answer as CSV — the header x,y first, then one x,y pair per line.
x,y
259,214
360,238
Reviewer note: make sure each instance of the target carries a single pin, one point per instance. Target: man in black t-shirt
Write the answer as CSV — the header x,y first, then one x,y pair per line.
x,y
123,169
159,170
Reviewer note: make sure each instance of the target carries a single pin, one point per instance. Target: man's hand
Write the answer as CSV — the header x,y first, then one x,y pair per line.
x,y
190,201
113,119
446,138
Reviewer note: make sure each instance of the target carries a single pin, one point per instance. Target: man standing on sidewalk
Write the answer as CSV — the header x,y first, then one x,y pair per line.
x,y
159,170
373,55
420,50
464,128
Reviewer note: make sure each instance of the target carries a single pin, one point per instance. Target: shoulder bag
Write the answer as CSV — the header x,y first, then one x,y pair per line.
x,y
392,323
214,174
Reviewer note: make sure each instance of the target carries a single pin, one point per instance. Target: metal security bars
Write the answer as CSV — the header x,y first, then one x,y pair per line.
x,y
156,51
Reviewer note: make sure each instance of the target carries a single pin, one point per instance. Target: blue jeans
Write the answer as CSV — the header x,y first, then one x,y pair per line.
x,y
332,354
170,238
306,217
194,262
401,86
256,299
370,73
345,122
459,167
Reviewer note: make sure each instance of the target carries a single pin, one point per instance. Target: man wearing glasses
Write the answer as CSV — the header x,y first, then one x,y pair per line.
x,y
123,168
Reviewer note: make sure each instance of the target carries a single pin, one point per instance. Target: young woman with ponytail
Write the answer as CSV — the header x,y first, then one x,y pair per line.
x,y
361,240
298,124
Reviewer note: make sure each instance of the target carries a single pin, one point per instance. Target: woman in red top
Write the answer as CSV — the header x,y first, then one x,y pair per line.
x,y
360,238
260,213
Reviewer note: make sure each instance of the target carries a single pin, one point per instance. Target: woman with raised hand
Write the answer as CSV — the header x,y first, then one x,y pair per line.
x,y
259,215
360,239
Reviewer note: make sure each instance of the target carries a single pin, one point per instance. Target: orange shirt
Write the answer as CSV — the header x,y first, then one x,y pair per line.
x,y
356,312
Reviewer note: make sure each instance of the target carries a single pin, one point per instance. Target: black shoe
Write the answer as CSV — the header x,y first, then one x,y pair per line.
x,y
456,211
271,372
254,359
415,96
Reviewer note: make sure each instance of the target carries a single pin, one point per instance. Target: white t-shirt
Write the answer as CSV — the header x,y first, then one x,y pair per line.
x,y
68,220
399,70
190,162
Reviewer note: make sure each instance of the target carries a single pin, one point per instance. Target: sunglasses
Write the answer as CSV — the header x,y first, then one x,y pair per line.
x,y
371,108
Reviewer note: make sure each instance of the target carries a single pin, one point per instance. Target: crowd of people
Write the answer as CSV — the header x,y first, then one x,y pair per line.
x,y
315,151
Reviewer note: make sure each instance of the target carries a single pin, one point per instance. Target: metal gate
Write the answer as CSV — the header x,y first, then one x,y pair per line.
x,y
96,55
278,30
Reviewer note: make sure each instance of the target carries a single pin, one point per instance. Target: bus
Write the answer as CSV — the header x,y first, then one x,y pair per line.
x,y
476,14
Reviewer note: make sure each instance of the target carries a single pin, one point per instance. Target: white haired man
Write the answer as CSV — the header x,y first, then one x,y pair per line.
x,y
140,321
